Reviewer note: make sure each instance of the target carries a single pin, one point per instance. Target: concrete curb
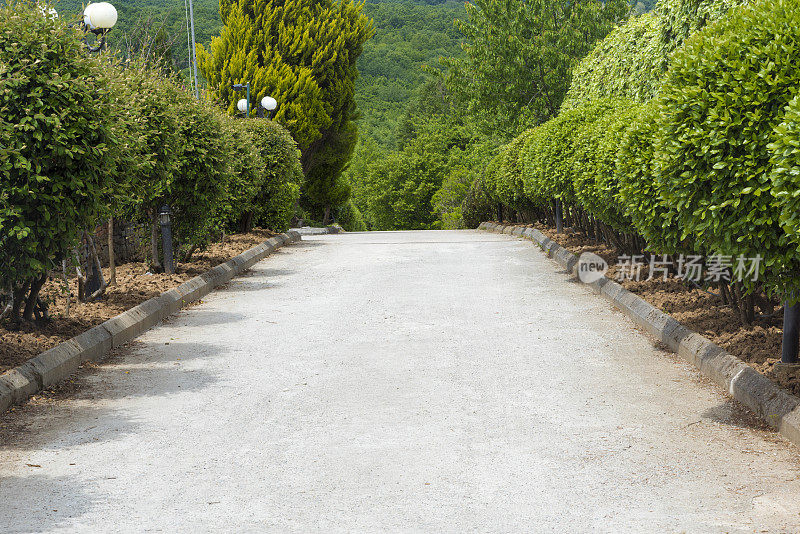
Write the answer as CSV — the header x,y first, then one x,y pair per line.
x,y
777,407
58,363
313,230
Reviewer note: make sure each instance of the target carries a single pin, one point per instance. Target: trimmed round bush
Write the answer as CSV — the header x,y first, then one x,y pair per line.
x,y
785,178
279,186
594,163
629,63
510,188
547,159
54,145
725,93
639,192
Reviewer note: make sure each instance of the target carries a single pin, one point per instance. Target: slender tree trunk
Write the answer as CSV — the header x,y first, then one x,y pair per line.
x,y
327,218
66,285
19,299
33,297
112,267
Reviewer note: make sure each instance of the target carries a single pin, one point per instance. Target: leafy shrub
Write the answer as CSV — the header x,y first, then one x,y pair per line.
x,y
54,144
547,158
350,218
725,93
630,62
594,164
680,19
477,206
278,188
640,192
510,188
785,176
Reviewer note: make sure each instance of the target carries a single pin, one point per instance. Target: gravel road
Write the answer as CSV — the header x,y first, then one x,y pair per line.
x,y
395,382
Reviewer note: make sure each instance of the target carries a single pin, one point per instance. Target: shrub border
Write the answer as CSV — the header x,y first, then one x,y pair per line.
x,y
58,363
779,408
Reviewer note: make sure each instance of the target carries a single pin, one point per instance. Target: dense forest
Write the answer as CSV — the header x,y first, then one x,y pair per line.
x,y
422,132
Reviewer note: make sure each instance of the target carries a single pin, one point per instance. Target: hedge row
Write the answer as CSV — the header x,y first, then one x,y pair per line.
x,y
710,166
82,140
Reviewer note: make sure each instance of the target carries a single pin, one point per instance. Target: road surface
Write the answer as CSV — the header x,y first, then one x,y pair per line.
x,y
395,382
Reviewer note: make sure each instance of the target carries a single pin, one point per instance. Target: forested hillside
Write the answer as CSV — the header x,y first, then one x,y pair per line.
x,y
169,15
407,35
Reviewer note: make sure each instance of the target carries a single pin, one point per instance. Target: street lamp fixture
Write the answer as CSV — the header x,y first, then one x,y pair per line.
x,y
98,19
243,105
269,104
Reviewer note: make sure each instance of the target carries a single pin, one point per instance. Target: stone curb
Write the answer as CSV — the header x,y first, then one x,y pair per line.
x,y
777,407
58,363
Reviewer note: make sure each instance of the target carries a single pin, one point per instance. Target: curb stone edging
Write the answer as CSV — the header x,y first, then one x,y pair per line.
x,y
779,408
58,363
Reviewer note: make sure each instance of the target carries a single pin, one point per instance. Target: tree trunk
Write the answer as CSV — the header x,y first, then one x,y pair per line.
x,y
246,222
112,267
19,299
327,218
33,297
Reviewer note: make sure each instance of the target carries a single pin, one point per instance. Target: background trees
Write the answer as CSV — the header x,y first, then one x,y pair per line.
x,y
519,56
303,53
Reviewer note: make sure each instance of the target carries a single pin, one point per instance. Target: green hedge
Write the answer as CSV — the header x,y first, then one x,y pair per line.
x,y
56,146
726,91
640,192
81,140
547,158
594,164
629,63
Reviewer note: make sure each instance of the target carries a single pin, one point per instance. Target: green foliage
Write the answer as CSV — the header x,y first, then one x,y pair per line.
x,y
548,156
681,19
725,93
628,63
509,185
640,192
350,218
308,66
594,164
477,205
279,185
464,170
54,141
407,37
519,56
402,185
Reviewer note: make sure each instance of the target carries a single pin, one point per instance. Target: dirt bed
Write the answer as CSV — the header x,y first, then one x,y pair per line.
x,y
759,344
134,286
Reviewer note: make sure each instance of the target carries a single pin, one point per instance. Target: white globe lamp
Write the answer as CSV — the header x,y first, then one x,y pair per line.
x,y
100,16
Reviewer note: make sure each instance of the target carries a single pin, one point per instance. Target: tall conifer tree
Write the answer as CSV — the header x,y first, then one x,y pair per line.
x,y
303,53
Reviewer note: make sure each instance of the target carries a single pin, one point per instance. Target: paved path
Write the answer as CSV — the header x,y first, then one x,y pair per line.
x,y
420,381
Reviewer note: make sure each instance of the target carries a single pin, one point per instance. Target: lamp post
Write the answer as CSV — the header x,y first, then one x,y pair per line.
x,y
166,238
267,104
244,104
98,19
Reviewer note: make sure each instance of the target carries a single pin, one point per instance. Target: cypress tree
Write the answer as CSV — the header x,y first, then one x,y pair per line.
x,y
302,53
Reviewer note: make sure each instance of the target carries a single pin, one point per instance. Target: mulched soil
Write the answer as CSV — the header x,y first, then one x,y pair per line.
x,y
759,344
134,286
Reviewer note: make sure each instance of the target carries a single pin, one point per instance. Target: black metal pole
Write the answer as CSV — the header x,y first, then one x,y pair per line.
x,y
791,333
559,218
166,239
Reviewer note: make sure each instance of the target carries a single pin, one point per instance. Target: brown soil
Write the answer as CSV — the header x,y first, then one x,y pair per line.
x,y
133,287
759,344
